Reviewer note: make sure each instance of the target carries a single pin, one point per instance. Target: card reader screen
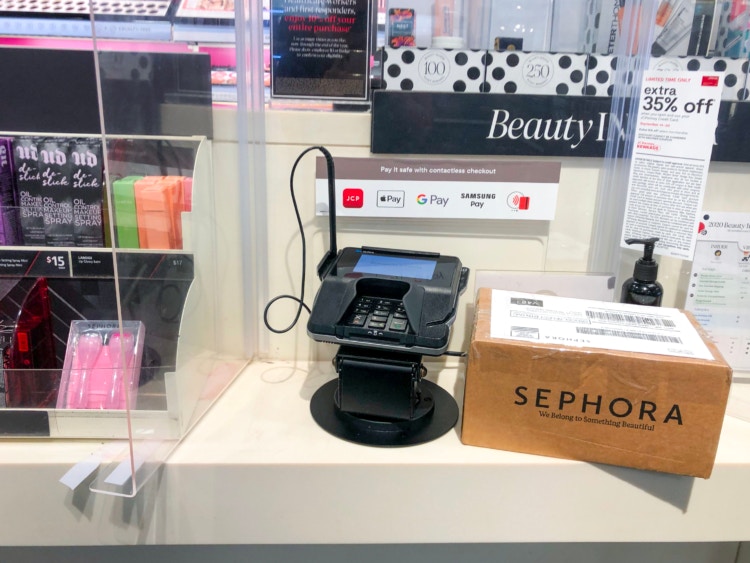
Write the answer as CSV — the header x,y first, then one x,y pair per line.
x,y
395,266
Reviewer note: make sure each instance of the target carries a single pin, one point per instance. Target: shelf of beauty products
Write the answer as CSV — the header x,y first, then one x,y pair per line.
x,y
102,340
553,48
135,20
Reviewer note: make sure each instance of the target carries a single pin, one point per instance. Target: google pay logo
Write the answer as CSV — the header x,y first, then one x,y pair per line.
x,y
421,199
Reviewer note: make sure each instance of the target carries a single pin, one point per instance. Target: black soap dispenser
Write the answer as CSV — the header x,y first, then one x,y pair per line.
x,y
642,288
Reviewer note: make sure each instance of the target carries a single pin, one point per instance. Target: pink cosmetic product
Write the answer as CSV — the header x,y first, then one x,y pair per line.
x,y
122,355
87,350
100,379
102,365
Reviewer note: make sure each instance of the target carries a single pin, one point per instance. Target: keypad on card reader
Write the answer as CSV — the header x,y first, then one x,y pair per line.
x,y
378,313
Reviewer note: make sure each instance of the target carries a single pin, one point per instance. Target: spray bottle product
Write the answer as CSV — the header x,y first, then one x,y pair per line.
x,y
642,288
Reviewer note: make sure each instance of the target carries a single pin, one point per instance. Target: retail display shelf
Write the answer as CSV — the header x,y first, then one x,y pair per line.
x,y
134,24
141,30
144,8
95,263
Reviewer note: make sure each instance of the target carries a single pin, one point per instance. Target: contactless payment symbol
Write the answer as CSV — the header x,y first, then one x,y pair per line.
x,y
390,198
353,198
518,201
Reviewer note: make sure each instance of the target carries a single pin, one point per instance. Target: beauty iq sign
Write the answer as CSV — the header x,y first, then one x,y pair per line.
x,y
511,124
320,49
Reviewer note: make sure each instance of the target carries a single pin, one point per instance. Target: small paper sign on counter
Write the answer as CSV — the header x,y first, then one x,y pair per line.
x,y
674,138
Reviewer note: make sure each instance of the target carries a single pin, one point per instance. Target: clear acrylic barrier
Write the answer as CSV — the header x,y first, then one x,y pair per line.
x,y
129,239
168,292
171,282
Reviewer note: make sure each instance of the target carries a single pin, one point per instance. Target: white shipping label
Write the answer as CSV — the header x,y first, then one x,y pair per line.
x,y
595,324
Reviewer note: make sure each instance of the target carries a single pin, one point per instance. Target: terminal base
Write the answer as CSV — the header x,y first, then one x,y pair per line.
x,y
381,399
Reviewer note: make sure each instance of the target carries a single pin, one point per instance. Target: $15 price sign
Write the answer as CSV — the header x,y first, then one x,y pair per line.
x,y
52,263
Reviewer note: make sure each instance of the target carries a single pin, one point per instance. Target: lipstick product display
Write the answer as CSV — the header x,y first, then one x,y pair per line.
x,y
102,365
31,374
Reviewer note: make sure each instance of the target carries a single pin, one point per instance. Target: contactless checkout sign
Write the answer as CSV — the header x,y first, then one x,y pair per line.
x,y
451,189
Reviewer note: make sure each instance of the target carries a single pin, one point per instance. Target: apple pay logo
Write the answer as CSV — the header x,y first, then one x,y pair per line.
x,y
390,198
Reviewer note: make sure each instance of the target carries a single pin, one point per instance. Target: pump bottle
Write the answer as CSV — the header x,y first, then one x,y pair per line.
x,y
642,288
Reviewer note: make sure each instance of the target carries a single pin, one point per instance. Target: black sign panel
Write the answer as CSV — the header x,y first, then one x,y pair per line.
x,y
531,125
320,48
55,91
24,423
156,266
93,265
96,264
32,263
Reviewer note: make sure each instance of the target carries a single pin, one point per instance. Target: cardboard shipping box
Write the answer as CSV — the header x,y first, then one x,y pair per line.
x,y
594,381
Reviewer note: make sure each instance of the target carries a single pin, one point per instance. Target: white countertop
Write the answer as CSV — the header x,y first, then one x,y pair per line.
x,y
258,470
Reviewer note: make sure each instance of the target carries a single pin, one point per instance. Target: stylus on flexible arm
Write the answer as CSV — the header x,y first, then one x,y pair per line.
x,y
329,258
326,263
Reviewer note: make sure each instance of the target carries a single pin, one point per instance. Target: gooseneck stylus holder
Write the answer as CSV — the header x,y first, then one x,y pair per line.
x,y
385,309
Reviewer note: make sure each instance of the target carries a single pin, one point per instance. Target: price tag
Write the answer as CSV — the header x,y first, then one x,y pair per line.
x,y
53,264
176,267
155,266
93,264
16,263
20,263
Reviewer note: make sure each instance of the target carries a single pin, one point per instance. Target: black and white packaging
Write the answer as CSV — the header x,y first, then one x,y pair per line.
x,y
29,185
433,70
86,188
54,169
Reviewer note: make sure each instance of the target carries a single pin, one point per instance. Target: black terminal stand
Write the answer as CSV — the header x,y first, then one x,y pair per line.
x,y
385,308
382,399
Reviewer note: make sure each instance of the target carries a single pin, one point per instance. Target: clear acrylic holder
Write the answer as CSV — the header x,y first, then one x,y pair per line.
x,y
184,368
102,366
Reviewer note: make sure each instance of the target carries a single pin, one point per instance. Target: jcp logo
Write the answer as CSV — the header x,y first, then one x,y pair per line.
x,y
434,67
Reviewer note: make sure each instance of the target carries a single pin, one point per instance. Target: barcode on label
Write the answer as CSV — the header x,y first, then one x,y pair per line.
x,y
629,318
628,334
